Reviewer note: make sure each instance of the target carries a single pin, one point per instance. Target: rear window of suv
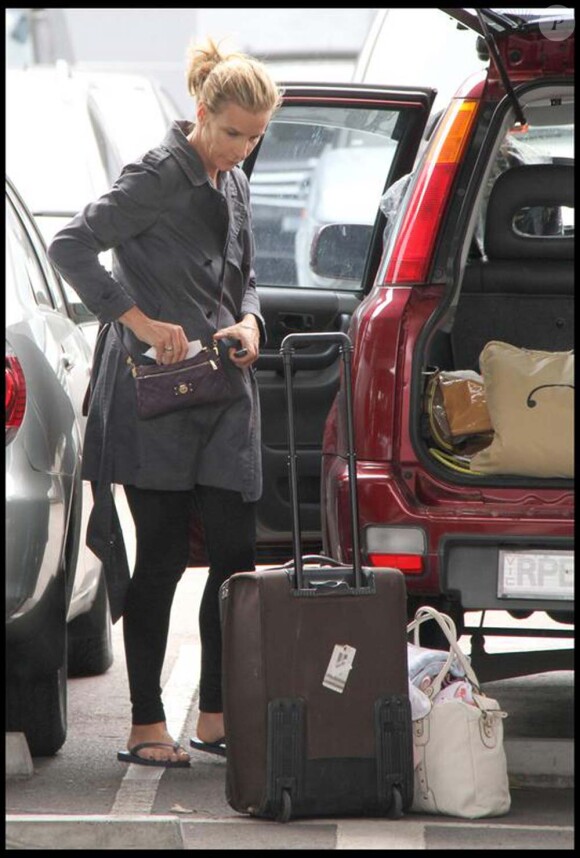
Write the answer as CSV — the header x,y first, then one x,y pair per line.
x,y
533,144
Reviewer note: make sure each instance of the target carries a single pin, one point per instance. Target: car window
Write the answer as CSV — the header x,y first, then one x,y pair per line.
x,y
535,143
323,166
555,144
25,261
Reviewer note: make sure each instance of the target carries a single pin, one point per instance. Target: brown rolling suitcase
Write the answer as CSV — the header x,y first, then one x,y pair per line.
x,y
316,706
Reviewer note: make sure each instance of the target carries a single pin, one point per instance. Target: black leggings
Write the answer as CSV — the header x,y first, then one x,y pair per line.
x,y
162,524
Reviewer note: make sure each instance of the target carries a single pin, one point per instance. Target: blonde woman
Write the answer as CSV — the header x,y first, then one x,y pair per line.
x,y
178,223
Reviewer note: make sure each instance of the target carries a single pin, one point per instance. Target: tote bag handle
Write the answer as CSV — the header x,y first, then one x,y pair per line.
x,y
448,628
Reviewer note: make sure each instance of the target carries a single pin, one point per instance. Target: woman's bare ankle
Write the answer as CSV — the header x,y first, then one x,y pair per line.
x,y
210,726
149,732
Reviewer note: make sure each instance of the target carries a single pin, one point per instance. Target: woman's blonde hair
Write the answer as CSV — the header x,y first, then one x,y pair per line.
x,y
215,78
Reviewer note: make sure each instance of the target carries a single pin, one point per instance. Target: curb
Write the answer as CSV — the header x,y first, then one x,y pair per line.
x,y
168,832
18,759
96,832
540,762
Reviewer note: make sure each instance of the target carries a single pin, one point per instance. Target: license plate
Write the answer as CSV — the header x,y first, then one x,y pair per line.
x,y
536,575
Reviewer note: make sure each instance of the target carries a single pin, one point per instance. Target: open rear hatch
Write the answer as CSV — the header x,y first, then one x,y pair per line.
x,y
512,39
522,43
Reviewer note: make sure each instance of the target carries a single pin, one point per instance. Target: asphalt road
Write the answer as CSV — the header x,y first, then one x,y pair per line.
x,y
84,798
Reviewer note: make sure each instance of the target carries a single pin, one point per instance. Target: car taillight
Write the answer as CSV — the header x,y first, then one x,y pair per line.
x,y
411,254
400,546
14,394
409,564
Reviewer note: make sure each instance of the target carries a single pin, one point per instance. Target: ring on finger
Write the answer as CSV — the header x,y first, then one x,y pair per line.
x,y
167,348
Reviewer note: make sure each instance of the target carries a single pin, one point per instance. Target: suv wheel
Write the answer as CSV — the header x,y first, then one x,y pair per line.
x,y
36,706
90,641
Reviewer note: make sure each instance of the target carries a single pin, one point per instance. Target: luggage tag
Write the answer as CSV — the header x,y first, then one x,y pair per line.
x,y
339,667
194,347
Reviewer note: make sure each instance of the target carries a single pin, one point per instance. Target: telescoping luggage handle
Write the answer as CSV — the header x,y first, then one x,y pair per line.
x,y
345,350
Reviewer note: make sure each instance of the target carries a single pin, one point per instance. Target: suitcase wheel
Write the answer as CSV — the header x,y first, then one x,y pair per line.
x,y
396,808
286,808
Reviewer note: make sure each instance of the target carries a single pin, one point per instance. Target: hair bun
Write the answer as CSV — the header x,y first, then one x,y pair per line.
x,y
202,59
216,78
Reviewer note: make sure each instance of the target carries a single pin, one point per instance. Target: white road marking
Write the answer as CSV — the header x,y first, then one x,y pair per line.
x,y
138,788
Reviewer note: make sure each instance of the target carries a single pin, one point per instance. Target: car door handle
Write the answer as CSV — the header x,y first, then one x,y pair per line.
x,y
294,323
319,359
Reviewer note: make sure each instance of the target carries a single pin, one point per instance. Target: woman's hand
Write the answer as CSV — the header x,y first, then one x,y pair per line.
x,y
248,333
169,340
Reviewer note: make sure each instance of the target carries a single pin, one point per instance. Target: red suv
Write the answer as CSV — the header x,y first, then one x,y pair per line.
x,y
441,244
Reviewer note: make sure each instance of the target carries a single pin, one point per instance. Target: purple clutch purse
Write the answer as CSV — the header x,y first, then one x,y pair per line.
x,y
197,381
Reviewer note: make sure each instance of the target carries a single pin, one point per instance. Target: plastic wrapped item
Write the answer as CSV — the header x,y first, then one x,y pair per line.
x,y
456,406
464,401
390,203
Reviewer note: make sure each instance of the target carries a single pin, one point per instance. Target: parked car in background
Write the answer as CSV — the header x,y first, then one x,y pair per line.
x,y
471,241
69,133
344,179
57,614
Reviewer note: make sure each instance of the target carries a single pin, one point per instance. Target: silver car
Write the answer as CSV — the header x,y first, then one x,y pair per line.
x,y
57,614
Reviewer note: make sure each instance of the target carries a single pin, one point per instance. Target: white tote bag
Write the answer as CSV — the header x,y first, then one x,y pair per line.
x,y
460,762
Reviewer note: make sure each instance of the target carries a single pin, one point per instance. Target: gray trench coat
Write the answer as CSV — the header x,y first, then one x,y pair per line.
x,y
173,236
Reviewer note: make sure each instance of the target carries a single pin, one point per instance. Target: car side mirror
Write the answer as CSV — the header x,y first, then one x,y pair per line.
x,y
339,251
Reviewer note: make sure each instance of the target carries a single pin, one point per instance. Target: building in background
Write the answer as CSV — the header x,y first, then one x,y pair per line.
x,y
300,44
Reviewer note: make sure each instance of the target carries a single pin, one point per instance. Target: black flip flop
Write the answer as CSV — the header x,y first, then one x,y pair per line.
x,y
218,747
132,756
